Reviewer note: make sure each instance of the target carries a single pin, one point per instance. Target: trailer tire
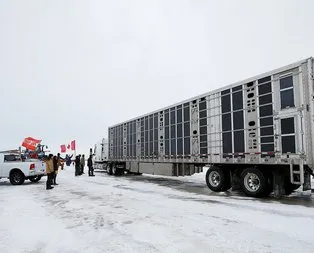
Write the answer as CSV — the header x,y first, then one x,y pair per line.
x,y
254,183
114,170
109,170
217,179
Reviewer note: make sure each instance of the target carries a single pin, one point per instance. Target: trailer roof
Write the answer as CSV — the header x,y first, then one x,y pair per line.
x,y
278,70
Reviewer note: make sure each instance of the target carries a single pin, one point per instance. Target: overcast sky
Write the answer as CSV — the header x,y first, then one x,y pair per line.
x,y
70,69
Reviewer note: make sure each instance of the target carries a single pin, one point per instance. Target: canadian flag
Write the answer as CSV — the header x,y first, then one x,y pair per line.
x,y
69,147
63,148
73,145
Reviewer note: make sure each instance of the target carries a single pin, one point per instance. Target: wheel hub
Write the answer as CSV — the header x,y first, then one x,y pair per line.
x,y
252,182
214,178
16,178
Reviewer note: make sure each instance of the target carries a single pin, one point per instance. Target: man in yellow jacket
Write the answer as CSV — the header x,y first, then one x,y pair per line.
x,y
49,171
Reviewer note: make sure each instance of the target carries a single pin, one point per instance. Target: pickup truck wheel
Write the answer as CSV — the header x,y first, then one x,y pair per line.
x,y
17,177
35,179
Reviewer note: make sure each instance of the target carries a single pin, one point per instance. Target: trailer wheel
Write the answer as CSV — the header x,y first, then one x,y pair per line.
x,y
217,179
109,169
254,183
114,170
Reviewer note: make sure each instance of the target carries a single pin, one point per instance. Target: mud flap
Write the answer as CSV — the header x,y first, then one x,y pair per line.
x,y
279,184
235,181
307,181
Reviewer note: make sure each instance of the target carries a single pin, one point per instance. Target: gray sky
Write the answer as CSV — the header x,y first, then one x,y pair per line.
x,y
70,69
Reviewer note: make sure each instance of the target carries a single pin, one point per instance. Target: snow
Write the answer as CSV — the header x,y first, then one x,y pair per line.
x,y
148,214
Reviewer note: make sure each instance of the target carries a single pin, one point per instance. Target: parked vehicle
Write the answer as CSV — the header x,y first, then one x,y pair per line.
x,y
100,158
17,171
256,135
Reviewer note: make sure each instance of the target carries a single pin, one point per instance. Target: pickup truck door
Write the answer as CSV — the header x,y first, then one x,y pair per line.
x,y
4,167
41,167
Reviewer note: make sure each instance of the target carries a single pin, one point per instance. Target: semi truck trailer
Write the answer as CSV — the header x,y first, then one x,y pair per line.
x,y
256,135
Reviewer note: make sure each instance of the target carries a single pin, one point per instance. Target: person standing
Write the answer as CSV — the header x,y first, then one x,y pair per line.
x,y
55,169
60,161
90,166
49,171
82,164
77,165
68,160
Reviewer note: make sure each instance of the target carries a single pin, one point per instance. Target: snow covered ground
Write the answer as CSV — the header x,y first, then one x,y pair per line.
x,y
148,214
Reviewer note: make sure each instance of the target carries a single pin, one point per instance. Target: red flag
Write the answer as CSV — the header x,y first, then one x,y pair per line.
x,y
72,145
30,143
63,148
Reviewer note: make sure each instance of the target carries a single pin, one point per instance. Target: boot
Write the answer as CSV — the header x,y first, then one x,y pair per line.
x,y
54,181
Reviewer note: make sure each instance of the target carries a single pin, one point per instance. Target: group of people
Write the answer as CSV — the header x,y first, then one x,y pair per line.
x,y
54,162
80,165
52,166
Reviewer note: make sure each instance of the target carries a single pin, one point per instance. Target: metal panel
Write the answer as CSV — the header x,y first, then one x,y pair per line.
x,y
214,128
291,143
165,169
251,126
138,138
161,132
195,128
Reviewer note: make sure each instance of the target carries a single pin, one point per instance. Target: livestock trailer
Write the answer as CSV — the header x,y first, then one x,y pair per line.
x,y
256,135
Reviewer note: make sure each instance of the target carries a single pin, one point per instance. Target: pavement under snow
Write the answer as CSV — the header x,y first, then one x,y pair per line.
x,y
148,214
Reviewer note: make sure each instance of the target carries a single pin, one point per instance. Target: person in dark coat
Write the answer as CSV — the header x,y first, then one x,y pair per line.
x,y
49,171
90,166
77,165
55,169
68,160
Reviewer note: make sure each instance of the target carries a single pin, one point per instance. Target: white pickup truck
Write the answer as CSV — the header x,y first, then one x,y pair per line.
x,y
16,170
